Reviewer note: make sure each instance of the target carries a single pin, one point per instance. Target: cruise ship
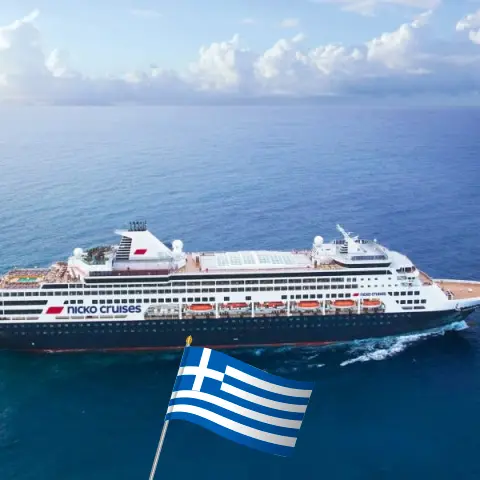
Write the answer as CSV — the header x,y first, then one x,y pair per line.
x,y
147,294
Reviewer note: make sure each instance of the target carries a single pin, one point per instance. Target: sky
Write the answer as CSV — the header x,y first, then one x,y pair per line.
x,y
188,51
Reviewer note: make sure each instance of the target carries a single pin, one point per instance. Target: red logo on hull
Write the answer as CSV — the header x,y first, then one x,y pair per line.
x,y
54,310
140,251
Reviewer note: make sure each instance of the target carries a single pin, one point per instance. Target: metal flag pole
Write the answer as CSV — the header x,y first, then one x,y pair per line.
x,y
188,342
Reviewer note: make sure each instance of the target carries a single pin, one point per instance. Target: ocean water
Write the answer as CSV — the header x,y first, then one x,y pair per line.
x,y
241,178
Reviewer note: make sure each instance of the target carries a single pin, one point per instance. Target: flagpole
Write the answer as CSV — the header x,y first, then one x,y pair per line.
x,y
165,425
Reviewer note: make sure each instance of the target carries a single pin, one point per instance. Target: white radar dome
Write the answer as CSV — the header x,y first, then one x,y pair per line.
x,y
318,241
177,245
78,252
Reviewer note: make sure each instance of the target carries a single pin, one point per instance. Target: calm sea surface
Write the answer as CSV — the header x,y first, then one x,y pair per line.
x,y
243,178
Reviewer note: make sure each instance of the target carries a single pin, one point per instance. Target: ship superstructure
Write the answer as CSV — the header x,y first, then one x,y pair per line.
x,y
143,293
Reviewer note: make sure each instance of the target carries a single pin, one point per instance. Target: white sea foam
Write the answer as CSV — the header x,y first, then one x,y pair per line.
x,y
391,346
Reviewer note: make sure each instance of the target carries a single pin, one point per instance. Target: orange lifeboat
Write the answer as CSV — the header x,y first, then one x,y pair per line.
x,y
344,303
201,307
273,305
237,306
308,305
371,302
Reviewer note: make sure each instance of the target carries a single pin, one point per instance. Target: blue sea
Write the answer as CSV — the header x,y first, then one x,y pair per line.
x,y
245,178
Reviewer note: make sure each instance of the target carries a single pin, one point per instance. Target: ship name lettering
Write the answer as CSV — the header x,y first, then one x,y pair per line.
x,y
93,309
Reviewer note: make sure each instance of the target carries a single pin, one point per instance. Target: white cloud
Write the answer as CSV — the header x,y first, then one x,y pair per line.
x,y
248,21
145,13
408,60
223,66
368,7
290,23
471,23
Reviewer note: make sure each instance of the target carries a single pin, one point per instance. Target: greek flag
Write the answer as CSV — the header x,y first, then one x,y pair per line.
x,y
238,401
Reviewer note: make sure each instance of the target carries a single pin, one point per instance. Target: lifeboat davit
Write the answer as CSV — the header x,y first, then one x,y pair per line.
x,y
201,307
371,302
344,303
237,306
308,305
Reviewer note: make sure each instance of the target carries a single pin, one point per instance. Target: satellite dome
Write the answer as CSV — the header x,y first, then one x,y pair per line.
x,y
318,241
177,245
78,252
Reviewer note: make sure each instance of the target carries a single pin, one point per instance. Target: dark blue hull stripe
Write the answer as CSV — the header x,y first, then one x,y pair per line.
x,y
164,334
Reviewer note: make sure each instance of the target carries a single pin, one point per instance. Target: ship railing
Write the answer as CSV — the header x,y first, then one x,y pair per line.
x,y
127,273
425,279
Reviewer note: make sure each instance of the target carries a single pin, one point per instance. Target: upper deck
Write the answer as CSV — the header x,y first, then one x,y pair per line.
x,y
207,263
459,289
31,278
140,253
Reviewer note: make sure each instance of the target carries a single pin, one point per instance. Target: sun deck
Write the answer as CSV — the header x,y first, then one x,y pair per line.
x,y
459,289
25,278
194,264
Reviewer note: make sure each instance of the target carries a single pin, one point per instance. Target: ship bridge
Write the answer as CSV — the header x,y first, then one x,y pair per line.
x,y
352,252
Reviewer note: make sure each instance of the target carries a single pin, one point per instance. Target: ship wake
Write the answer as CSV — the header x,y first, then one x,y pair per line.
x,y
381,349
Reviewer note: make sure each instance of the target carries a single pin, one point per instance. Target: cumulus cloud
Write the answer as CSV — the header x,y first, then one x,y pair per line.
x,y
471,23
223,66
368,7
408,60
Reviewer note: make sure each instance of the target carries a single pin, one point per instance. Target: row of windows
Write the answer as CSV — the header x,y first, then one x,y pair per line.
x,y
180,291
214,290
221,277
20,312
253,324
196,329
272,282
200,299
213,283
411,302
404,293
239,321
13,303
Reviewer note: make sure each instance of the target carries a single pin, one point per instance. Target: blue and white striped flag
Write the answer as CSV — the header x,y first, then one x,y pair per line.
x,y
238,401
